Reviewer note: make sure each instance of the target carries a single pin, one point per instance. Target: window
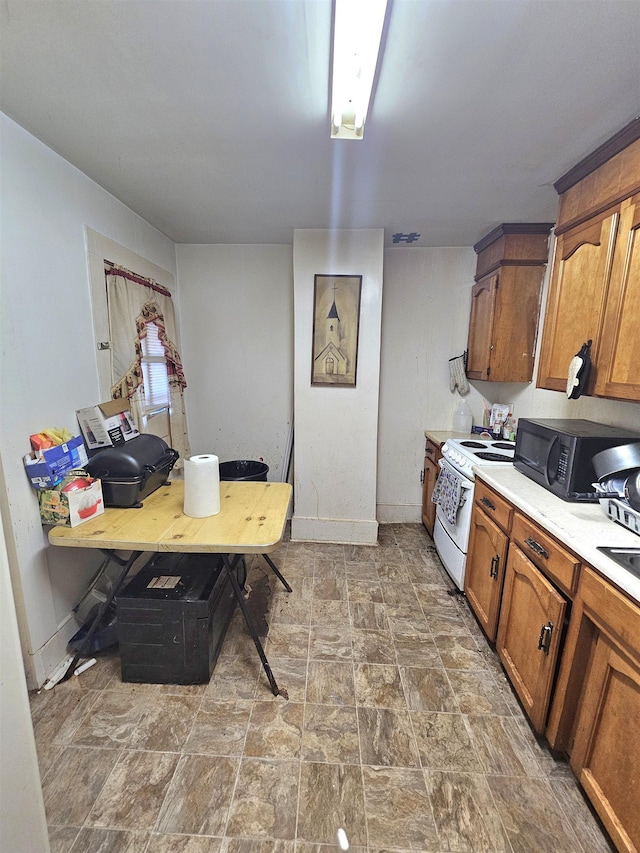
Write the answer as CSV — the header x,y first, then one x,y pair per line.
x,y
154,372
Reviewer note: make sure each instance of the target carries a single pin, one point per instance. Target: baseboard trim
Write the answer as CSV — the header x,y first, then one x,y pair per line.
x,y
341,531
399,513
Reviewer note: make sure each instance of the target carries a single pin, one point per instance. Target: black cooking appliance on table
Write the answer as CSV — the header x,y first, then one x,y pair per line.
x,y
557,453
132,470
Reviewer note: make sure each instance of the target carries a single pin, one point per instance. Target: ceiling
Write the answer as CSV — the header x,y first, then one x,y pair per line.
x,y
210,118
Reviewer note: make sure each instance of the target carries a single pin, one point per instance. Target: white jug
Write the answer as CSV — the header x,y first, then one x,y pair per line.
x,y
462,418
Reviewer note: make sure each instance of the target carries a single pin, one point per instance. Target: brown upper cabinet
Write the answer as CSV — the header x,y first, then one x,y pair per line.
x,y
594,291
505,302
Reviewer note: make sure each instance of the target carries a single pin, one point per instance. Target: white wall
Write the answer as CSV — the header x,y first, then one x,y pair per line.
x,y
425,320
337,428
23,826
49,361
237,350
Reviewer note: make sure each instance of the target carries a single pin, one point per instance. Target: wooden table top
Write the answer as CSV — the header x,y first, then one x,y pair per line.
x,y
251,520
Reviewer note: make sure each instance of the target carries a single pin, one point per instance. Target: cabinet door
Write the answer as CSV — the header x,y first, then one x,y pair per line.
x,y
619,358
558,564
429,476
529,633
484,572
515,323
577,296
606,748
480,326
429,482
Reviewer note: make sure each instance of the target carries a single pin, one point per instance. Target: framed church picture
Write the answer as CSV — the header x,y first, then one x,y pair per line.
x,y
336,320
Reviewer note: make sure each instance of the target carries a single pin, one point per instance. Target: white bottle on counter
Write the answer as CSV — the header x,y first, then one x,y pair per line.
x,y
462,418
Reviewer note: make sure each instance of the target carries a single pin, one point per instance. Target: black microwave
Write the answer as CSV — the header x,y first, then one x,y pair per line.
x,y
557,453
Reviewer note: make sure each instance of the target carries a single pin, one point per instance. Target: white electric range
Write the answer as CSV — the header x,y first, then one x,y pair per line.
x,y
453,495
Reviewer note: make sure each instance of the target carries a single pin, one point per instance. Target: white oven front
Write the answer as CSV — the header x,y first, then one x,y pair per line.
x,y
451,540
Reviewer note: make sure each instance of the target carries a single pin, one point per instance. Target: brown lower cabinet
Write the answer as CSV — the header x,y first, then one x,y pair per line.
x,y
578,679
607,743
529,633
429,476
487,556
518,582
596,712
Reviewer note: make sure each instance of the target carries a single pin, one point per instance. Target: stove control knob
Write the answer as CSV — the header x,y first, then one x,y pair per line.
x,y
445,447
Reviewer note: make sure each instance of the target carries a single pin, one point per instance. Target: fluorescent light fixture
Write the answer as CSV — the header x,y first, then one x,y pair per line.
x,y
356,43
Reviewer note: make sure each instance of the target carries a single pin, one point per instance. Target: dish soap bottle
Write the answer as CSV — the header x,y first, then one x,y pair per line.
x,y
462,418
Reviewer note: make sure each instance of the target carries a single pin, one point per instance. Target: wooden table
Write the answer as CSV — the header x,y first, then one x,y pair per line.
x,y
251,520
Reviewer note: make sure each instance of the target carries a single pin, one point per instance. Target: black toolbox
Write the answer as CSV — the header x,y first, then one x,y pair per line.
x,y
172,618
132,470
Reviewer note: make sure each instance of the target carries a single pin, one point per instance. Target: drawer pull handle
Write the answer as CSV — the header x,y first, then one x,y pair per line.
x,y
544,640
537,547
495,566
429,451
486,502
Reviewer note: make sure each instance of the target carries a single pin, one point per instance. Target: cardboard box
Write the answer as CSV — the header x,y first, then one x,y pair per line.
x,y
47,468
71,508
107,424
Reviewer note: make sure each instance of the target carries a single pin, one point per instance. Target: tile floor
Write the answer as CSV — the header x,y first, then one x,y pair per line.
x,y
400,727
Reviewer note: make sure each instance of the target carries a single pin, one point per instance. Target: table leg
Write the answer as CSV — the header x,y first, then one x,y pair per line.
x,y
84,646
230,569
277,571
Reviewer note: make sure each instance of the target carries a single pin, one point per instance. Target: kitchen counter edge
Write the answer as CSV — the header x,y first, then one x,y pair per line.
x,y
440,436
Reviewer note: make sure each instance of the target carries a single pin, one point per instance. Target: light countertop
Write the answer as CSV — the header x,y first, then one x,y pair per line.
x,y
440,436
251,521
580,526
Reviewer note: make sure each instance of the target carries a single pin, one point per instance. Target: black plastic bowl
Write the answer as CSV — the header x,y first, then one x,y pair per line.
x,y
243,469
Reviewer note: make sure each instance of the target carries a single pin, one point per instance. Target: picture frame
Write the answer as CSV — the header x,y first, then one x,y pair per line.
x,y
336,325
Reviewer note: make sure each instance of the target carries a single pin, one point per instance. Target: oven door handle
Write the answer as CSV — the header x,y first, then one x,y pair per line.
x,y
465,482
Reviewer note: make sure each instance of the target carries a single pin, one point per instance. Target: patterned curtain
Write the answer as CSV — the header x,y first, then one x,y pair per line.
x,y
133,302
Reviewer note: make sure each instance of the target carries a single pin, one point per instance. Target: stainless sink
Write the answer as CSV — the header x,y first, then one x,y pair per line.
x,y
628,558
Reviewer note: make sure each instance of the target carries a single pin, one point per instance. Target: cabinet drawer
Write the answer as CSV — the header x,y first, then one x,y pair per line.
x,y
558,564
611,610
495,506
432,450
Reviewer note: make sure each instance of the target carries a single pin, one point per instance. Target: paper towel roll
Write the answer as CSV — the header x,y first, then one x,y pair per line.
x,y
201,486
